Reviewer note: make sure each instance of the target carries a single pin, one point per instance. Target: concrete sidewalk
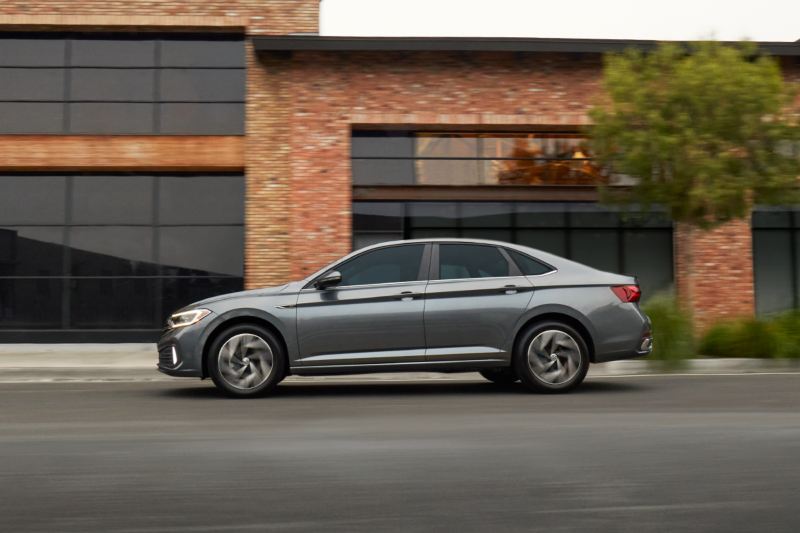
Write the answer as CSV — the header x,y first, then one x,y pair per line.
x,y
137,362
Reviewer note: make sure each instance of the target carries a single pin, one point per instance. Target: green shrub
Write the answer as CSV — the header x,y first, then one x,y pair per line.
x,y
673,338
777,336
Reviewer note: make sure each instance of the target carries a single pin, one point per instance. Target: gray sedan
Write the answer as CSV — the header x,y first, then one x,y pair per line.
x,y
510,312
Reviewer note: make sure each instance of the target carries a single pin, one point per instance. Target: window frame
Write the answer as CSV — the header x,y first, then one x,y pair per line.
x,y
422,271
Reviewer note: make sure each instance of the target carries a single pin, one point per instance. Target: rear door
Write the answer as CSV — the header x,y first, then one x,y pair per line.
x,y
474,298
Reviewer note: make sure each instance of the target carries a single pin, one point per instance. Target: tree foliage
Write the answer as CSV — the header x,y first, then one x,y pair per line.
x,y
705,129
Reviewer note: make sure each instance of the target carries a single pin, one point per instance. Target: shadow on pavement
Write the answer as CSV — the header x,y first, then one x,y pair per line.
x,y
301,390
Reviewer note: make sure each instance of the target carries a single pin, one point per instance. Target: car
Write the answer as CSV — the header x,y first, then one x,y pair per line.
x,y
510,312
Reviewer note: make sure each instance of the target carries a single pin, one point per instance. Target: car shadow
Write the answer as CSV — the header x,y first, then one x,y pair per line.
x,y
388,388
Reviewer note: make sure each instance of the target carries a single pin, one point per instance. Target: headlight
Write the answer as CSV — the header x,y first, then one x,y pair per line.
x,y
187,318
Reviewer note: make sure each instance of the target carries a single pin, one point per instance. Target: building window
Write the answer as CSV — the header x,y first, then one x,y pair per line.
x,y
636,244
776,265
76,83
108,257
436,158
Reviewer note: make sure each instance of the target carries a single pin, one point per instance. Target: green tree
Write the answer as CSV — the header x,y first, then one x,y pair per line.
x,y
706,129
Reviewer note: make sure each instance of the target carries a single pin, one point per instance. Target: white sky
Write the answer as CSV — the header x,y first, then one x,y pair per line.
x,y
760,20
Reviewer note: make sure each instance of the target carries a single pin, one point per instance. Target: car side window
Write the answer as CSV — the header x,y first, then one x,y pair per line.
x,y
459,261
528,265
384,265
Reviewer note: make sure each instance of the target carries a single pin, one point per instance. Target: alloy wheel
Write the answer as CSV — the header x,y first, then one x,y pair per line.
x,y
245,361
554,357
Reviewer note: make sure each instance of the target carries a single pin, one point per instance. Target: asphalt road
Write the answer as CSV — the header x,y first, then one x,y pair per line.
x,y
639,454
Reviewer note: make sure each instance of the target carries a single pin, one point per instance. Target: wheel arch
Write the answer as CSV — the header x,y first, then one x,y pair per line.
x,y
559,314
241,316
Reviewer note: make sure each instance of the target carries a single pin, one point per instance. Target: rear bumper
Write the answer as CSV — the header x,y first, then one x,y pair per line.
x,y
645,348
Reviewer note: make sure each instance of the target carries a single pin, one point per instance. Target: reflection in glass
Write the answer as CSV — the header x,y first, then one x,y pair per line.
x,y
126,303
30,303
179,292
112,251
32,251
201,250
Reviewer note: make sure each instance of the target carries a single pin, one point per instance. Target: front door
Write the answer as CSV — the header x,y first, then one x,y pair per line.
x,y
373,316
473,306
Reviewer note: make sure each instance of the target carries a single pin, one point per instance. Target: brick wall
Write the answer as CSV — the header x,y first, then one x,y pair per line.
x,y
329,93
714,271
260,16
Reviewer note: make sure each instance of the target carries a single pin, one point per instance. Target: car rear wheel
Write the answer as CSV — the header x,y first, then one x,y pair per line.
x,y
500,376
551,357
246,360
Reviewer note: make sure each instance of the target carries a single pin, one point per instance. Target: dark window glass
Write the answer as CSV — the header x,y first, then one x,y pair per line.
x,y
485,214
201,200
457,261
32,251
387,265
113,84
202,119
111,251
113,53
433,233
528,265
179,292
32,84
37,52
772,217
648,256
488,234
32,199
112,118
549,240
201,250
202,53
112,200
202,85
433,214
541,215
30,303
382,171
383,144
362,240
772,265
593,216
31,117
124,303
378,216
596,248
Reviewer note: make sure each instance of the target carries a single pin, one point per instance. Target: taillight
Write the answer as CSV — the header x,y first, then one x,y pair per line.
x,y
627,293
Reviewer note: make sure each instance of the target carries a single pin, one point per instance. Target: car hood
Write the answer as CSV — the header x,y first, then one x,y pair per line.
x,y
263,291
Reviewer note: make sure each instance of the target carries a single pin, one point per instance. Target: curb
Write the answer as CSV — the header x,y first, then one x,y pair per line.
x,y
21,363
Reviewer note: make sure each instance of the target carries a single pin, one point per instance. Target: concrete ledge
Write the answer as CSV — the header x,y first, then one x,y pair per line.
x,y
137,362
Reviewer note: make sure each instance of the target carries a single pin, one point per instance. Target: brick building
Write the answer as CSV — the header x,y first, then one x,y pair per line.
x,y
155,153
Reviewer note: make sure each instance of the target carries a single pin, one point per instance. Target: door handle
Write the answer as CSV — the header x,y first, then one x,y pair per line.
x,y
407,296
510,289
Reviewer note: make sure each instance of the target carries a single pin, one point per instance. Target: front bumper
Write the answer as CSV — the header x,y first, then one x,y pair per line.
x,y
180,351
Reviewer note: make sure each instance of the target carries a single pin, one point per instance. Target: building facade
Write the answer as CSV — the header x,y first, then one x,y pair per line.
x,y
153,154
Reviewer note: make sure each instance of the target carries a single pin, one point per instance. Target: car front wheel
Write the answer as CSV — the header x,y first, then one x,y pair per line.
x,y
246,360
551,357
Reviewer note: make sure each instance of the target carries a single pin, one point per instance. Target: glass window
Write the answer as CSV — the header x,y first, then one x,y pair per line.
x,y
202,85
648,256
772,266
114,52
112,251
30,303
596,248
549,240
386,265
202,52
382,144
112,200
32,251
201,200
201,250
26,52
32,84
125,303
382,171
457,261
528,265
485,214
180,292
112,84
202,119
31,117
378,216
112,118
32,199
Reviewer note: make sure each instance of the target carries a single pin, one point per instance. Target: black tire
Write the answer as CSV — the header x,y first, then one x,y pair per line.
x,y
563,353
500,376
225,378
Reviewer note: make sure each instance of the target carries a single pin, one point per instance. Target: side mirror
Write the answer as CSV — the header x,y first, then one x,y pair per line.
x,y
328,280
